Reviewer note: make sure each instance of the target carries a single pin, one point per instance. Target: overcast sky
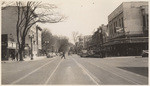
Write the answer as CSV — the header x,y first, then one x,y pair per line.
x,y
84,16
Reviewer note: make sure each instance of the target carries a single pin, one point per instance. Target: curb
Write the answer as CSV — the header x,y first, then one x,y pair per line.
x,y
125,57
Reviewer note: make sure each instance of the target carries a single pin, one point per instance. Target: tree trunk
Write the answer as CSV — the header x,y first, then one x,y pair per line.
x,y
21,50
20,54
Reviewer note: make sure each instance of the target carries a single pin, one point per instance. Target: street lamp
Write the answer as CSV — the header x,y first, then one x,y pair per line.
x,y
31,37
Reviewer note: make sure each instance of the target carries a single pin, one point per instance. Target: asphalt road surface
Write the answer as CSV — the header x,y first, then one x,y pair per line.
x,y
75,70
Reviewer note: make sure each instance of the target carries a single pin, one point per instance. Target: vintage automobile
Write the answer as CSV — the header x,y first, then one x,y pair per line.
x,y
145,53
50,55
84,53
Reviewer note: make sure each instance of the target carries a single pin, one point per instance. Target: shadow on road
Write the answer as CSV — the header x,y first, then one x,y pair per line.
x,y
138,70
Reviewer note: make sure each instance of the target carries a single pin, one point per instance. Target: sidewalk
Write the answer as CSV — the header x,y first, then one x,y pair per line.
x,y
124,57
35,58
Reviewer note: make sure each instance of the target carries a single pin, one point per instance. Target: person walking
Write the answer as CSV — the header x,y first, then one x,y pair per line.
x,y
63,55
17,56
13,56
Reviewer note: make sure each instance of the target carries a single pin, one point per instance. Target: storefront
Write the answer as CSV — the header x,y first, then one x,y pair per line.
x,y
8,48
126,47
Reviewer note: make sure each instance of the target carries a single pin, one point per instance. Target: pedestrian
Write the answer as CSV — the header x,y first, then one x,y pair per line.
x,y
17,56
63,55
13,56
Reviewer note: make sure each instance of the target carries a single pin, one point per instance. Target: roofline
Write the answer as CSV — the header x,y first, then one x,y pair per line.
x,y
126,2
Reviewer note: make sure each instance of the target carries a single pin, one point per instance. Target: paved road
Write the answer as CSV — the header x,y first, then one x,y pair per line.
x,y
77,71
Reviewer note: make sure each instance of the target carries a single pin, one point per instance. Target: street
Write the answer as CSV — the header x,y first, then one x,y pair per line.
x,y
75,70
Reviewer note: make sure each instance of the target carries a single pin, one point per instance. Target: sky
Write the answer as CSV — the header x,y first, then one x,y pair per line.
x,y
83,16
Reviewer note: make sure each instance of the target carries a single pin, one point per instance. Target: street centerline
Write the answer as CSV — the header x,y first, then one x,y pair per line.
x,y
53,72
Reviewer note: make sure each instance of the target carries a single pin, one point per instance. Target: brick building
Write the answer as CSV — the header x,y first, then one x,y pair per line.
x,y
9,38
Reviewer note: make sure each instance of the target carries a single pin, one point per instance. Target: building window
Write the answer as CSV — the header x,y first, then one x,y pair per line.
x,y
122,22
119,23
147,21
110,29
114,27
144,22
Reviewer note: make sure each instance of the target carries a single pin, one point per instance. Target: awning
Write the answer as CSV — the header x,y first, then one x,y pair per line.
x,y
127,40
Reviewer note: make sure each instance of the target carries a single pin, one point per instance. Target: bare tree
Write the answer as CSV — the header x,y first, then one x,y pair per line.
x,y
46,39
30,13
75,36
53,43
49,42
64,44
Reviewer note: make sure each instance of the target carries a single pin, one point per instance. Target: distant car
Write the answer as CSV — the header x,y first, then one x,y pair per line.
x,y
145,53
84,55
50,55
79,54
90,53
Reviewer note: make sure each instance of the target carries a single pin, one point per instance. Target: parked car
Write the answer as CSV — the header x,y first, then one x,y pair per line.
x,y
145,53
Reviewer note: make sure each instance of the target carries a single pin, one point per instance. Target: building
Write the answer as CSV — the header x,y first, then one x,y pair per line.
x,y
99,37
36,32
39,40
104,32
9,38
128,29
79,44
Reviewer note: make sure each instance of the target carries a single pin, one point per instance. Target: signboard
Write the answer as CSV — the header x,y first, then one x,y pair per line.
x,y
11,45
4,43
